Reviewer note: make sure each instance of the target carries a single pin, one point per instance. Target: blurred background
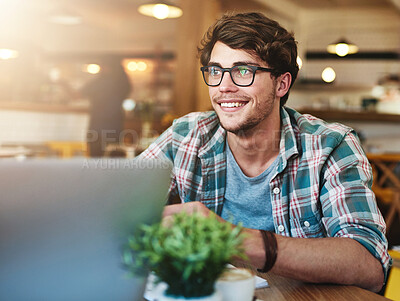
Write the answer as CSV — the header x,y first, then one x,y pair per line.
x,y
55,56
51,49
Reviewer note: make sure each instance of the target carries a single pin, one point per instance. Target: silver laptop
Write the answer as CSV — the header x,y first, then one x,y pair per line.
x,y
63,224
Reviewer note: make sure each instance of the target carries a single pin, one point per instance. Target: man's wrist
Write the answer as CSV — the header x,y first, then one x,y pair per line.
x,y
271,250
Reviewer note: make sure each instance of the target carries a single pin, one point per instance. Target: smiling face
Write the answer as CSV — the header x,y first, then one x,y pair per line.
x,y
242,108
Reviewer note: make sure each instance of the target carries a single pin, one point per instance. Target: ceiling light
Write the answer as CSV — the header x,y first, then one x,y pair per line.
x,y
328,75
137,66
141,66
342,48
92,68
6,54
64,16
160,10
132,66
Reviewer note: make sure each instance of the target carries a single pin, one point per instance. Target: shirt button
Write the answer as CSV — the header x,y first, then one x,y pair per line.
x,y
307,224
276,190
281,228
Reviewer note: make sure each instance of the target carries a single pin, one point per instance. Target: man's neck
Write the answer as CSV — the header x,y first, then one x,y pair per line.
x,y
256,149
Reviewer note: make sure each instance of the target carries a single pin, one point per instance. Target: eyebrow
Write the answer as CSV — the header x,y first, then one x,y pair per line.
x,y
240,63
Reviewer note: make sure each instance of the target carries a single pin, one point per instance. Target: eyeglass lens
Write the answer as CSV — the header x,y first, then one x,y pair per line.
x,y
240,75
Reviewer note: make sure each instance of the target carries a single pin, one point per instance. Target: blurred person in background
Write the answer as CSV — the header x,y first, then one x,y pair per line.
x,y
106,93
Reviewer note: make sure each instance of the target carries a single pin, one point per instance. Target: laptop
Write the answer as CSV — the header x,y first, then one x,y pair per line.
x,y
63,225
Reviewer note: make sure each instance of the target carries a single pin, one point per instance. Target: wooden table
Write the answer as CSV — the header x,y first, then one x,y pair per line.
x,y
285,289
281,288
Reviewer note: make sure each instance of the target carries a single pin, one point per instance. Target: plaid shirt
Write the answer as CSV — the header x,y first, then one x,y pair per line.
x,y
321,188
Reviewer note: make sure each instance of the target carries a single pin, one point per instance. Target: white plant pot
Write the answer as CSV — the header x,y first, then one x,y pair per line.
x,y
214,297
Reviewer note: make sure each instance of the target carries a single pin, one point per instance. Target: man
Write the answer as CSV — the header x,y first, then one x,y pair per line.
x,y
300,186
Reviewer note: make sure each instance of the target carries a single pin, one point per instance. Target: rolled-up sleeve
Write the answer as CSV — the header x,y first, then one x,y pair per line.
x,y
348,203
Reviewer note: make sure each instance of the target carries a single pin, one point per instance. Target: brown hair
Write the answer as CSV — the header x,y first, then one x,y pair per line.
x,y
260,35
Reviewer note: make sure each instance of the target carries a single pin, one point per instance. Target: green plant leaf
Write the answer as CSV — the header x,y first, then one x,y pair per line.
x,y
189,254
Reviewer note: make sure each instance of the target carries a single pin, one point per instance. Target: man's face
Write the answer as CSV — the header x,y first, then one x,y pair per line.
x,y
242,108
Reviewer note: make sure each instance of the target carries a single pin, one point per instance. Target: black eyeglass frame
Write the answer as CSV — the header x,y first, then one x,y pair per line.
x,y
229,70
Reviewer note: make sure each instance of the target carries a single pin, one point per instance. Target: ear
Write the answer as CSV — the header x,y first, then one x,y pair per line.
x,y
283,84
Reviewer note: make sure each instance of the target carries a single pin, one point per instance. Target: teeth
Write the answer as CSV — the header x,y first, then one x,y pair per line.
x,y
232,104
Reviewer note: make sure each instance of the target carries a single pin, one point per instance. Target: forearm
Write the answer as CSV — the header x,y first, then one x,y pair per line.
x,y
331,260
319,260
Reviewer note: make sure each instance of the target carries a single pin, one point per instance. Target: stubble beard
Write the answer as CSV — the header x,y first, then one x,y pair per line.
x,y
252,122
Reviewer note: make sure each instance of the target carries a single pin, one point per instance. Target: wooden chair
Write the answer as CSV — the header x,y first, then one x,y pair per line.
x,y
386,185
389,197
68,149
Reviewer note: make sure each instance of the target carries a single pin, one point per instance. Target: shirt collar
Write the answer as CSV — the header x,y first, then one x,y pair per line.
x,y
288,144
212,135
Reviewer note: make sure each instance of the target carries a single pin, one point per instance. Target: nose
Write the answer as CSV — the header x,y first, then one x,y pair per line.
x,y
227,85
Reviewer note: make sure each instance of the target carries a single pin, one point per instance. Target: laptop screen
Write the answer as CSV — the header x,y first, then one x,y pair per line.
x,y
63,224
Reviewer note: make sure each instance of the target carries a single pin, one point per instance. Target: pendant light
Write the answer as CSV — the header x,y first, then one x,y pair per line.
x,y
160,10
342,48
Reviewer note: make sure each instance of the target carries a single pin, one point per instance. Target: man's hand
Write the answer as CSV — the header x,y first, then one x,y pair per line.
x,y
188,208
253,242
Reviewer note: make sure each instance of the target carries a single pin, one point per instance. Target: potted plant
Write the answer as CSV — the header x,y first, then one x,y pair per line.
x,y
188,254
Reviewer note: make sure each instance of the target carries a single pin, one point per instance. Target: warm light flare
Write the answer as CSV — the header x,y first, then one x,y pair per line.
x,y
92,68
132,66
137,66
342,48
328,75
141,66
160,11
129,105
299,62
64,16
65,20
6,54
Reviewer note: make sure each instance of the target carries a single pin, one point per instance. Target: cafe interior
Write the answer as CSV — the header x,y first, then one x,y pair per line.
x,y
349,55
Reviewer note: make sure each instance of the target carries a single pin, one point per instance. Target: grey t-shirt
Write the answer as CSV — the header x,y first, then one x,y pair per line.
x,y
247,199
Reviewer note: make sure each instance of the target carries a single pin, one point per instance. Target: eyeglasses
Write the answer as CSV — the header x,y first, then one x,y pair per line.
x,y
242,76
